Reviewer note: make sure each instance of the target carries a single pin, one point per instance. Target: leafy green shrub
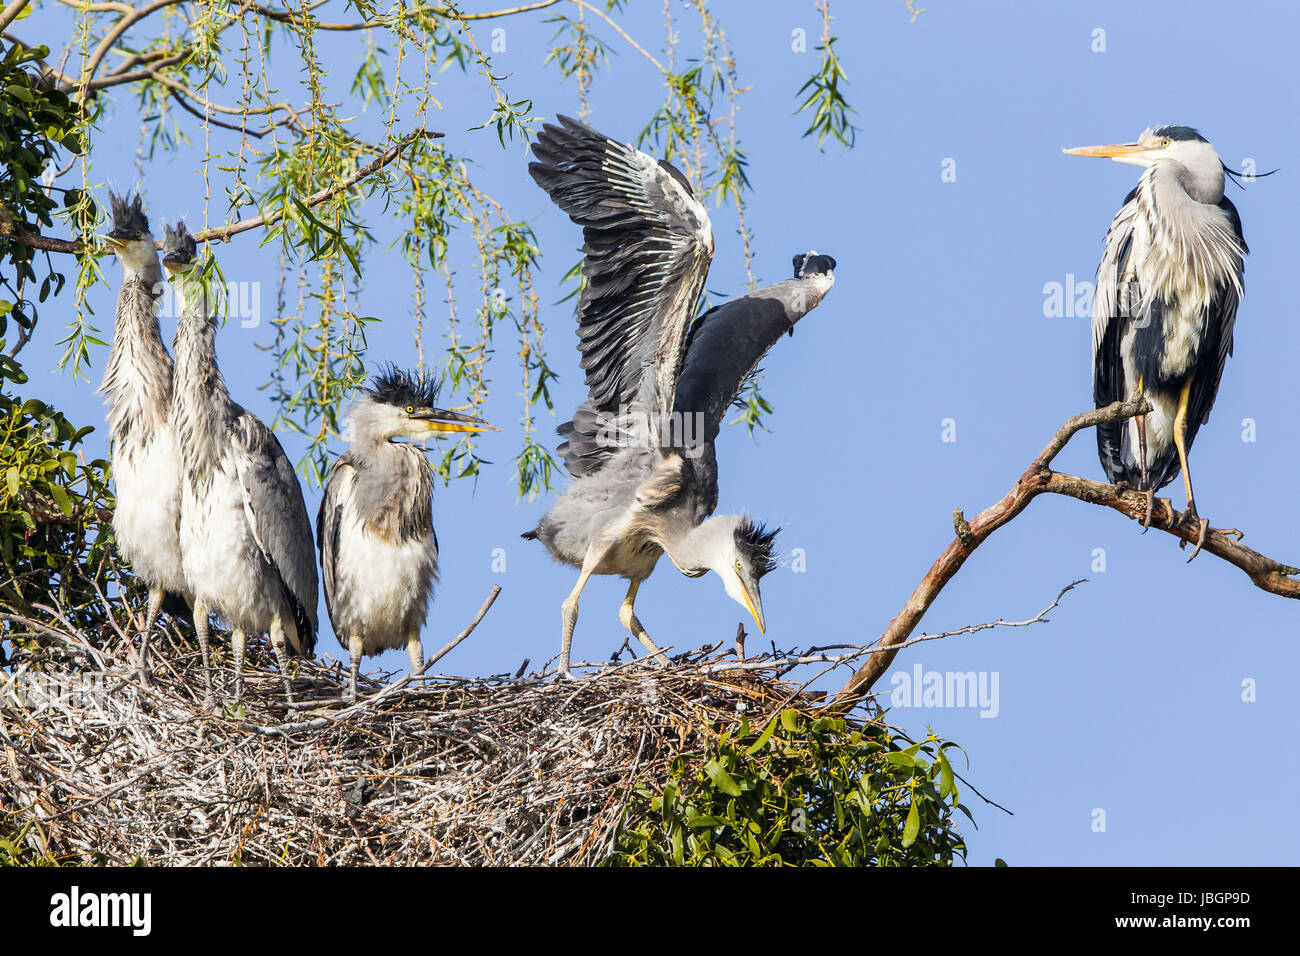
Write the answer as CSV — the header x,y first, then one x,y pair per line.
x,y
805,789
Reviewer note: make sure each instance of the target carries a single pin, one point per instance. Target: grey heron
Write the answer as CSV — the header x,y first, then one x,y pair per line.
x,y
245,538
1168,286
138,386
378,549
641,448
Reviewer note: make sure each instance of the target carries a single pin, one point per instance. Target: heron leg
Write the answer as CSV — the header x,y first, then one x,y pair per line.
x,y
569,610
282,655
354,669
238,640
155,605
201,631
1180,440
415,650
629,619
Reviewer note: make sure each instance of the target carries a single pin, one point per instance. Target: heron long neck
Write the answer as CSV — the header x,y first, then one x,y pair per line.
x,y
138,376
393,490
697,549
1199,249
202,406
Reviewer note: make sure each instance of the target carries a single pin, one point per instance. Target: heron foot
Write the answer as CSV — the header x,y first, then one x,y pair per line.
x,y
1151,504
1202,533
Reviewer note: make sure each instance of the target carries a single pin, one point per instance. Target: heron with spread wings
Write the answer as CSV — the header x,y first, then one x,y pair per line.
x,y
659,379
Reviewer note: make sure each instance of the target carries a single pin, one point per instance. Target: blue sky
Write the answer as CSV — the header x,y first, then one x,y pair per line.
x,y
1130,700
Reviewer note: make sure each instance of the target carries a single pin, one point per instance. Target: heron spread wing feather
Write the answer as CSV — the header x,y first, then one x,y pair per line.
x,y
648,245
277,517
725,347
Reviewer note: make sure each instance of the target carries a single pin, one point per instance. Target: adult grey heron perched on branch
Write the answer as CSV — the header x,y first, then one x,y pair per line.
x,y
246,543
138,386
1168,286
641,448
378,549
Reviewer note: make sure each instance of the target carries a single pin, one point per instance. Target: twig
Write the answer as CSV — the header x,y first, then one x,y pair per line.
x,y
10,229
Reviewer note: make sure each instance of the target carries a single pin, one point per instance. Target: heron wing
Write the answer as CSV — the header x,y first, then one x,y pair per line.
x,y
329,523
1221,319
1113,300
277,517
647,248
724,349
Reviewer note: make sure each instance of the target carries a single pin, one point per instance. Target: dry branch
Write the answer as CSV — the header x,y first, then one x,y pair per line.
x,y
471,772
1038,478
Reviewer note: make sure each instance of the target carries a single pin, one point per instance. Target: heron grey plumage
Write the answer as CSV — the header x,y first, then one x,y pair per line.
x,y
1168,287
138,387
378,549
246,543
641,447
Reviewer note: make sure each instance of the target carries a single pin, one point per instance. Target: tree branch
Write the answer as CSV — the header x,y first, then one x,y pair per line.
x,y
11,230
1038,478
11,11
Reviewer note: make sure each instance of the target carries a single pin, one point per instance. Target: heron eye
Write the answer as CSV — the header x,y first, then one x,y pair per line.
x,y
410,409
739,566
1166,142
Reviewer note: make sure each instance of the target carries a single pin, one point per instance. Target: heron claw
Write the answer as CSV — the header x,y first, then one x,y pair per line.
x,y
1151,503
1201,537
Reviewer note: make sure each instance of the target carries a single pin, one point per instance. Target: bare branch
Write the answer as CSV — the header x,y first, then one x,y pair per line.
x,y
1038,478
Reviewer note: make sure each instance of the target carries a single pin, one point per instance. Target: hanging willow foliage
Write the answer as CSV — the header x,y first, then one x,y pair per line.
x,y
237,90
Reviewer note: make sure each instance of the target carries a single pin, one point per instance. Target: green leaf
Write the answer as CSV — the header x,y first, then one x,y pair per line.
x,y
61,499
912,827
945,775
763,738
900,759
721,779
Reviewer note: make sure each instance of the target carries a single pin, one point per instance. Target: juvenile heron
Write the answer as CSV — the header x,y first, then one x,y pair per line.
x,y
246,544
1170,279
138,386
378,549
641,448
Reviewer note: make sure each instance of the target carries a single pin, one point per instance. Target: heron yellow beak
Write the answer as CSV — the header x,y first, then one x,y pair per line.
x,y
1113,151
757,614
439,421
114,242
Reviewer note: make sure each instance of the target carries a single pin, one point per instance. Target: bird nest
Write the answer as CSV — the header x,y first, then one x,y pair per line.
x,y
97,766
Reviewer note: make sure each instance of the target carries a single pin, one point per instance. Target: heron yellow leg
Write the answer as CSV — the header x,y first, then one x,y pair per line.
x,y
629,619
569,611
1180,441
